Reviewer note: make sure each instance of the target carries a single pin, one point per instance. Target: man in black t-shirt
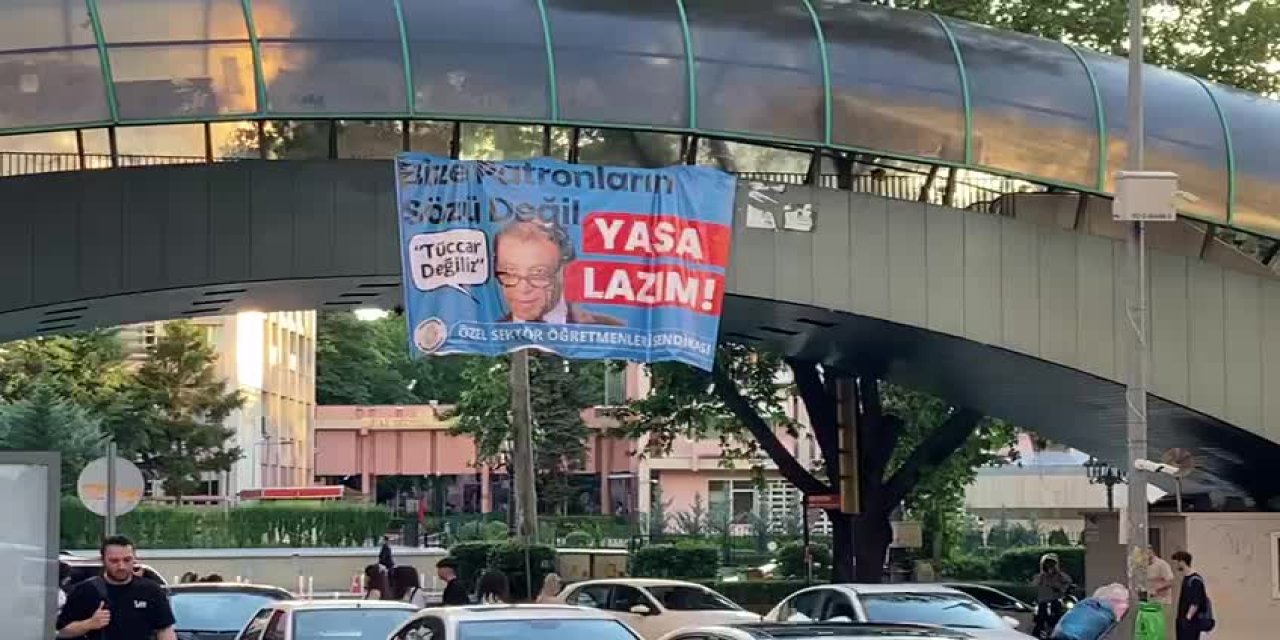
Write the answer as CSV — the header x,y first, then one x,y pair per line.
x,y
455,593
117,605
1195,614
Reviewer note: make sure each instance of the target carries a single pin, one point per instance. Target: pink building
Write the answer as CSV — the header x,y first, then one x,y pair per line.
x,y
358,446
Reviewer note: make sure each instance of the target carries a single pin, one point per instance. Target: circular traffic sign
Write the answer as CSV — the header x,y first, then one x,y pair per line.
x,y
92,486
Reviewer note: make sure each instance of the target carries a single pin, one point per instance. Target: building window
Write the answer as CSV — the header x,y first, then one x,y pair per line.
x,y
739,496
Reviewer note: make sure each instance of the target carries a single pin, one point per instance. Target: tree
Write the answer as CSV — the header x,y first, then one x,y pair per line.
x,y
560,390
1235,42
367,362
173,421
85,368
903,444
47,421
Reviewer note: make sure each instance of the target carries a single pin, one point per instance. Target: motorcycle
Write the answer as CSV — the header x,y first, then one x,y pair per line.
x,y
1049,613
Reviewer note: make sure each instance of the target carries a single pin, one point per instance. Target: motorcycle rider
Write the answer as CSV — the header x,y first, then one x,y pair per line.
x,y
1052,585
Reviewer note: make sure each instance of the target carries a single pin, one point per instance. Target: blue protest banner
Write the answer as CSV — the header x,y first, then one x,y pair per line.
x,y
581,260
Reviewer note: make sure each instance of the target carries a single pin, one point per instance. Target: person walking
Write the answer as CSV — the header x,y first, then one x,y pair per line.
x,y
1195,612
1160,590
117,605
494,588
550,592
376,584
406,586
455,592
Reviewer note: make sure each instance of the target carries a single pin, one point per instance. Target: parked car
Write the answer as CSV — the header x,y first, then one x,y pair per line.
x,y
504,622
819,631
83,568
327,619
656,607
999,602
218,611
926,604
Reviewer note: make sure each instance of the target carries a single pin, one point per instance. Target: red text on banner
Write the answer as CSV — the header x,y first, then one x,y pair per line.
x,y
646,236
644,285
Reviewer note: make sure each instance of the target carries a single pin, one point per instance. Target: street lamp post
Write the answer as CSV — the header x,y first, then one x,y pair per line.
x,y
1104,474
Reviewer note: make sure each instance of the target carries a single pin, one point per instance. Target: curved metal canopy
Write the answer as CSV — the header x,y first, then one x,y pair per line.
x,y
835,74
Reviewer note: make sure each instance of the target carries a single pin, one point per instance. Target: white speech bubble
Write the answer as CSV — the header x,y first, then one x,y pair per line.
x,y
454,258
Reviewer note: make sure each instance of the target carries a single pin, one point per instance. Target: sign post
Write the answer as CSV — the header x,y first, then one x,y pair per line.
x,y
110,487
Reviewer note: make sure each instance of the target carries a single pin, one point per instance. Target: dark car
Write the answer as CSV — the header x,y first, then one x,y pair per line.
x,y
218,611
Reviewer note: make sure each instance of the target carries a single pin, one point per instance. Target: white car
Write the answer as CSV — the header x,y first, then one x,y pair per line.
x,y
817,631
924,604
512,622
327,620
657,607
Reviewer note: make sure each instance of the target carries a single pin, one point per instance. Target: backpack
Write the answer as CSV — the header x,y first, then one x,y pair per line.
x,y
1204,618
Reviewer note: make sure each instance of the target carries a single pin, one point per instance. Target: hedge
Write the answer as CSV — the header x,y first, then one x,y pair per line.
x,y
1021,564
472,559
684,561
791,561
334,524
525,575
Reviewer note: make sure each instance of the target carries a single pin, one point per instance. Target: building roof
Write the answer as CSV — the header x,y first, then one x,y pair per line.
x,y
819,73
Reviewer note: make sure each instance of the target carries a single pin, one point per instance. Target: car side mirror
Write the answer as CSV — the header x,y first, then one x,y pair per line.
x,y
1012,622
641,610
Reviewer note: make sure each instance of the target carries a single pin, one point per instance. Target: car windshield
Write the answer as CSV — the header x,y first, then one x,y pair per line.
x,y
215,611
544,629
677,598
942,609
348,624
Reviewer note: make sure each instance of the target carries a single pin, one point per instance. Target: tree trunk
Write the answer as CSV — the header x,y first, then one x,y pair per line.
x,y
873,534
842,547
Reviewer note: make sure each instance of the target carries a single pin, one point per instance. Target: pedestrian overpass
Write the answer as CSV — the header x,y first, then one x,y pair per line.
x,y
957,179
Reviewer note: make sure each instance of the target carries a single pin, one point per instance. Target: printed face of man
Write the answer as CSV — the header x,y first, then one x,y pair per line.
x,y
528,268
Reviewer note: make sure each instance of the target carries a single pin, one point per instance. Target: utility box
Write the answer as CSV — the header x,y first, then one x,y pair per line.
x,y
1145,196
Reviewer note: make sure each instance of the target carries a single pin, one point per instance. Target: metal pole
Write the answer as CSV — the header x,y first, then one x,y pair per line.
x,y
111,488
1136,392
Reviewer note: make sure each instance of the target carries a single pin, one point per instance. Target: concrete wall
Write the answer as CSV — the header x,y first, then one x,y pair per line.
x,y
1235,552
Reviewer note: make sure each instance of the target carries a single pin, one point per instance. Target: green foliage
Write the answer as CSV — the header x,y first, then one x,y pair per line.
x,y
579,540
1021,564
560,390
938,498
964,566
481,530
1230,41
791,561
524,565
756,595
472,559
87,369
267,525
174,410
1059,538
45,421
367,362
683,561
659,514
1007,535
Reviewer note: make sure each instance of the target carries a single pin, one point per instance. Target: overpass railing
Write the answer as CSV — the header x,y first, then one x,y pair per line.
x,y
970,192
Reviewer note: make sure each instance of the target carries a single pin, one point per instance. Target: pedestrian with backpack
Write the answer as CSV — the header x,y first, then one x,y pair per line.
x,y
117,605
1195,611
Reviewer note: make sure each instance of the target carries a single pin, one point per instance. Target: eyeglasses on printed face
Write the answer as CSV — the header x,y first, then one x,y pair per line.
x,y
510,279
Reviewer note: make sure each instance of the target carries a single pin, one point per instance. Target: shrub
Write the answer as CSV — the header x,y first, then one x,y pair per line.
x,y
524,574
759,596
1021,564
684,561
472,559
968,567
1059,538
579,540
791,561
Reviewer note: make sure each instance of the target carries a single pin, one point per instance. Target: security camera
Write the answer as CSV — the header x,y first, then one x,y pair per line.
x,y
1156,467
